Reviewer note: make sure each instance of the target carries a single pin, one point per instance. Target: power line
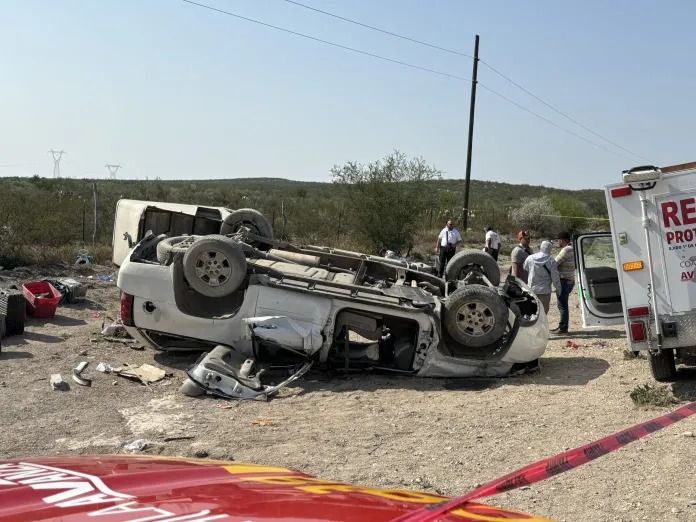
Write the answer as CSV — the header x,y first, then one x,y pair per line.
x,y
412,66
433,46
380,30
561,113
328,43
554,124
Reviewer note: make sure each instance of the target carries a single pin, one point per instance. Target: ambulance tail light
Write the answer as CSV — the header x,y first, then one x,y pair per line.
x,y
632,265
638,311
620,192
637,331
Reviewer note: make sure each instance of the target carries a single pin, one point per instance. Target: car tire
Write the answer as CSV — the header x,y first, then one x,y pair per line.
x,y
475,316
663,366
472,260
214,266
173,245
247,217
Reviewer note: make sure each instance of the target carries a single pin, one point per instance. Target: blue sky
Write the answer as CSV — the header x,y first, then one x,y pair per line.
x,y
172,90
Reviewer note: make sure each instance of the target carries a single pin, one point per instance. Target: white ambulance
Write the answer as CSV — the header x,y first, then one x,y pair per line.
x,y
642,273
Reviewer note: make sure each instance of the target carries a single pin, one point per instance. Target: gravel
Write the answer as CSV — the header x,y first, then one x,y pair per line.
x,y
385,431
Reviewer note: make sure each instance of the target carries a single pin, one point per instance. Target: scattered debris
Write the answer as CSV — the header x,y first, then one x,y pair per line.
x,y
262,422
182,437
96,315
57,382
688,434
224,405
201,454
137,445
571,344
83,353
115,328
104,367
145,373
118,340
77,377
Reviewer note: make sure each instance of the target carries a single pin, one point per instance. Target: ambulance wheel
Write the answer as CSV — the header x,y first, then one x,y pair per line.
x,y
663,366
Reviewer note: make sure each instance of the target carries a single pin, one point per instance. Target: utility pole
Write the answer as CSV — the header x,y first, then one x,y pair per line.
x,y
474,81
57,154
113,169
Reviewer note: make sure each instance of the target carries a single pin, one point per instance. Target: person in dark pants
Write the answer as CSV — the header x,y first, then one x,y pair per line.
x,y
492,242
566,269
446,245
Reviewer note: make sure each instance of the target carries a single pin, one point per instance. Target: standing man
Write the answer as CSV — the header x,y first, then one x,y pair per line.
x,y
566,270
492,242
519,255
543,271
447,240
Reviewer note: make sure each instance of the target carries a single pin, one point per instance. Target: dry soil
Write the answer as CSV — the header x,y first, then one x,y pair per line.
x,y
445,436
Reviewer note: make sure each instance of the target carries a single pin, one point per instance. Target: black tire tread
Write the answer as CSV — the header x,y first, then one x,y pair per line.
x,y
473,257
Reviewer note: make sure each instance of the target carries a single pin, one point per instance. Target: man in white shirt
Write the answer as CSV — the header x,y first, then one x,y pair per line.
x,y
446,245
492,242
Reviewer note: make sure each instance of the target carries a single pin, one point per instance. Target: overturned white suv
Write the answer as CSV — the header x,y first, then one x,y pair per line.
x,y
254,304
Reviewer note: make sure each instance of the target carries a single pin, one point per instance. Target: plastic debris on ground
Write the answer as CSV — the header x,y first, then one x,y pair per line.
x,y
137,445
77,374
104,368
145,373
115,329
262,422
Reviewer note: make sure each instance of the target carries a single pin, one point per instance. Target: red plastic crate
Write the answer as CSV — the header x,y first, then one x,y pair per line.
x,y
44,307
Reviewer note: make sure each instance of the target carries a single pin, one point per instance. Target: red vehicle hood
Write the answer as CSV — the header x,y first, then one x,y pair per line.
x,y
120,488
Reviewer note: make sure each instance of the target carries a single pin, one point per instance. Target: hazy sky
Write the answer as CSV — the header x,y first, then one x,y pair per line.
x,y
173,90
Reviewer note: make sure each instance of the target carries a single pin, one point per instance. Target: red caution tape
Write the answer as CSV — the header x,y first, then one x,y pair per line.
x,y
553,466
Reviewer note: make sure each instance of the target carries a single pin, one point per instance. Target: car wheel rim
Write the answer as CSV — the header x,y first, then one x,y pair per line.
x,y
213,268
475,318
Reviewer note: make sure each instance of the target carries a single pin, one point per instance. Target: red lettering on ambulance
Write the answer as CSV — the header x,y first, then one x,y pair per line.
x,y
688,211
670,211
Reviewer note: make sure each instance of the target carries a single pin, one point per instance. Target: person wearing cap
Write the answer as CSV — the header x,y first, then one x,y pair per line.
x,y
543,271
566,270
519,254
446,245
492,242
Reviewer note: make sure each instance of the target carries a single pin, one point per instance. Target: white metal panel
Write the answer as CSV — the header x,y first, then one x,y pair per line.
x,y
625,217
676,209
127,219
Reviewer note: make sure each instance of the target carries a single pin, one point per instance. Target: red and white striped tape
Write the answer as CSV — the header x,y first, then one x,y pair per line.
x,y
553,466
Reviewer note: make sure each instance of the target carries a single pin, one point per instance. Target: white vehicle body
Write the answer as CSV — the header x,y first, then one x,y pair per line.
x,y
312,303
134,218
642,273
305,322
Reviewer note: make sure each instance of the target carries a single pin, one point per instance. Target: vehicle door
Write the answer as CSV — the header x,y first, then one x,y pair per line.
x,y
597,280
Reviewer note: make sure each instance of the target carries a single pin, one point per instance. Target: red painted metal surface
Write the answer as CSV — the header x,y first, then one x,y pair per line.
x,y
120,488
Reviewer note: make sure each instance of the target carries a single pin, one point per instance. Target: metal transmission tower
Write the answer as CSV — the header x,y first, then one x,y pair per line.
x,y
112,170
57,154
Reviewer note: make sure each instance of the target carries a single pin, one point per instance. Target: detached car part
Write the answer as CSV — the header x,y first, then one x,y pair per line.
x,y
217,373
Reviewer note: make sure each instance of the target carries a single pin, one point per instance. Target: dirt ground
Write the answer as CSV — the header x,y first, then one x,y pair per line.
x,y
445,436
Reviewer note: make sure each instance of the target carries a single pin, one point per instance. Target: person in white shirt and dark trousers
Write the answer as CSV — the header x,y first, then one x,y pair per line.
x,y
492,242
446,245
